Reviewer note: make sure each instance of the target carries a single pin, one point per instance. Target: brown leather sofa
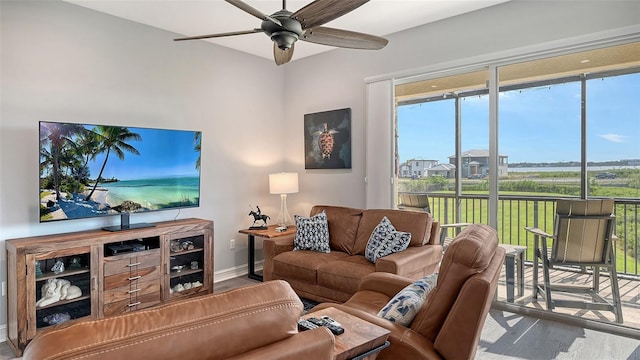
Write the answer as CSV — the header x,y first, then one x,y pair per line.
x,y
335,276
254,322
449,323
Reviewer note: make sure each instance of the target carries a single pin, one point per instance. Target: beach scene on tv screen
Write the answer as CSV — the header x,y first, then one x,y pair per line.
x,y
94,170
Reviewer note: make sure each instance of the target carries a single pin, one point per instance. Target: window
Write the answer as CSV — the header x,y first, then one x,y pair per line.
x,y
567,126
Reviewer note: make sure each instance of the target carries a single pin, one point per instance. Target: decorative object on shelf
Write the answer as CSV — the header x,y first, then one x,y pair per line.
x,y
194,265
187,245
75,263
57,318
283,184
185,286
258,216
38,269
177,268
175,246
55,290
58,267
327,140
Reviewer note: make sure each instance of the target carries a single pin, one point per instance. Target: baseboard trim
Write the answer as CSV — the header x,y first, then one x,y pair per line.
x,y
3,333
234,272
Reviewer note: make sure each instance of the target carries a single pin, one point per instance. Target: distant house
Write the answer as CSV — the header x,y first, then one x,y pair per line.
x,y
415,168
476,163
446,170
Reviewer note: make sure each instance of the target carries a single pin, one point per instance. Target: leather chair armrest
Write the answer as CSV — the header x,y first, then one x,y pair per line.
x,y
384,283
271,248
414,262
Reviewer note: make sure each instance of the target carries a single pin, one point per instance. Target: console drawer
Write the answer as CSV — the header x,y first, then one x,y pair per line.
x,y
131,278
129,305
132,292
131,262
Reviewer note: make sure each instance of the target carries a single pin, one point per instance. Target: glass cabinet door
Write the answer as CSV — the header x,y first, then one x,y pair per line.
x,y
186,271
60,287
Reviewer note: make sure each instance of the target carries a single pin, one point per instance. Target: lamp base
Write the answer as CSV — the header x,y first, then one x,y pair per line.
x,y
284,218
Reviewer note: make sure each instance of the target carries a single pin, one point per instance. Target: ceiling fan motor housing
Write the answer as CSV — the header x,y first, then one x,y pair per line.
x,y
285,35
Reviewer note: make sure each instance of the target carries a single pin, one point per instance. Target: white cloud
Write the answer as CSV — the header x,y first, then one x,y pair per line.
x,y
614,137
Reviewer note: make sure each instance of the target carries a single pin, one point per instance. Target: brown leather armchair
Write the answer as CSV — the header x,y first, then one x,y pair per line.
x,y
449,323
253,322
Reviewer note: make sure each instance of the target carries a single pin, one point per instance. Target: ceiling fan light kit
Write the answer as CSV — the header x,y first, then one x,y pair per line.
x,y
285,28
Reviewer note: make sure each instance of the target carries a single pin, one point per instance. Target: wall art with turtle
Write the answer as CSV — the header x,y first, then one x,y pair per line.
x,y
327,139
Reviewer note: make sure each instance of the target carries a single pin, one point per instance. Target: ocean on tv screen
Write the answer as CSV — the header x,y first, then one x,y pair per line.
x,y
98,170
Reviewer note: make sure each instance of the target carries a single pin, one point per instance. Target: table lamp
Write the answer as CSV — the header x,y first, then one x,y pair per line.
x,y
283,184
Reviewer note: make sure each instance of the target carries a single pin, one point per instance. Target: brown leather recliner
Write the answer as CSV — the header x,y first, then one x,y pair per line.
x,y
253,322
449,323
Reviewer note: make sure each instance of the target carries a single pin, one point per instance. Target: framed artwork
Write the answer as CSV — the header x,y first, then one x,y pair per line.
x,y
327,140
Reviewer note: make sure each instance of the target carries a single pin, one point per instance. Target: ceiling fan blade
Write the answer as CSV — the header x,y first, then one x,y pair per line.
x,y
322,11
253,11
343,38
219,35
282,56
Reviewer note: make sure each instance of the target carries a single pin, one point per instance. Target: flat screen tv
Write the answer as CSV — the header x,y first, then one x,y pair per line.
x,y
96,170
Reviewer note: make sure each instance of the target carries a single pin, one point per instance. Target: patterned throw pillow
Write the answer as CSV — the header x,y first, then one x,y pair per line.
x,y
385,240
312,233
403,307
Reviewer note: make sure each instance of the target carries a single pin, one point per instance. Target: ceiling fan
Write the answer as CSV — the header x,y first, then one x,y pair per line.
x,y
285,27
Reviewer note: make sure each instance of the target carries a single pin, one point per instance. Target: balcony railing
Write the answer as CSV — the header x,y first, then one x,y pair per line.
x,y
517,212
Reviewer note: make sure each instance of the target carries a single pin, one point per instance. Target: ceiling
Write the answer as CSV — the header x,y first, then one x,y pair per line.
x,y
200,17
626,56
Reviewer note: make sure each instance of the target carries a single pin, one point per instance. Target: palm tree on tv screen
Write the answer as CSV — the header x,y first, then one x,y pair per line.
x,y
197,140
113,139
58,136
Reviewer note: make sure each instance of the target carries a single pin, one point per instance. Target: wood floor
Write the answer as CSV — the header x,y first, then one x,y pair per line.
x,y
506,335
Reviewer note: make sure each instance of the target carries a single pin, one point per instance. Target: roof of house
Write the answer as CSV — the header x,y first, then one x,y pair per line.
x,y
442,167
476,153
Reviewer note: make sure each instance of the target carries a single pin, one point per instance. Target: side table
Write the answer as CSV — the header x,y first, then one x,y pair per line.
x,y
514,253
361,339
267,233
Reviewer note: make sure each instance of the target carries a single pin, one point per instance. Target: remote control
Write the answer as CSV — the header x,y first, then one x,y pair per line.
x,y
306,325
331,321
316,321
336,330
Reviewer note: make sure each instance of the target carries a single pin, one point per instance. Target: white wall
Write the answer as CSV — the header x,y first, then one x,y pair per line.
x,y
334,80
62,62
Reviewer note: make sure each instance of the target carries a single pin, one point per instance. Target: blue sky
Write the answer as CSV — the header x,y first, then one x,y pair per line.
x,y
163,153
536,125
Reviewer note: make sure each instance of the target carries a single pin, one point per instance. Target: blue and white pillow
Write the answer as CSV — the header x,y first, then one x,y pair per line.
x,y
403,307
312,233
385,240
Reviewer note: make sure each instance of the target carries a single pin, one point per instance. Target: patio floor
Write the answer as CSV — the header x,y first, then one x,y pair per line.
x,y
629,293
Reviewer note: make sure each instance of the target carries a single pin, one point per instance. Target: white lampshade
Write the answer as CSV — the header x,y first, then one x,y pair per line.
x,y
283,183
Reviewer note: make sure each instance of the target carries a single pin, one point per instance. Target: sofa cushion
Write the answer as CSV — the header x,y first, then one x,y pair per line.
x,y
343,225
404,306
344,274
312,233
416,223
302,265
385,240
